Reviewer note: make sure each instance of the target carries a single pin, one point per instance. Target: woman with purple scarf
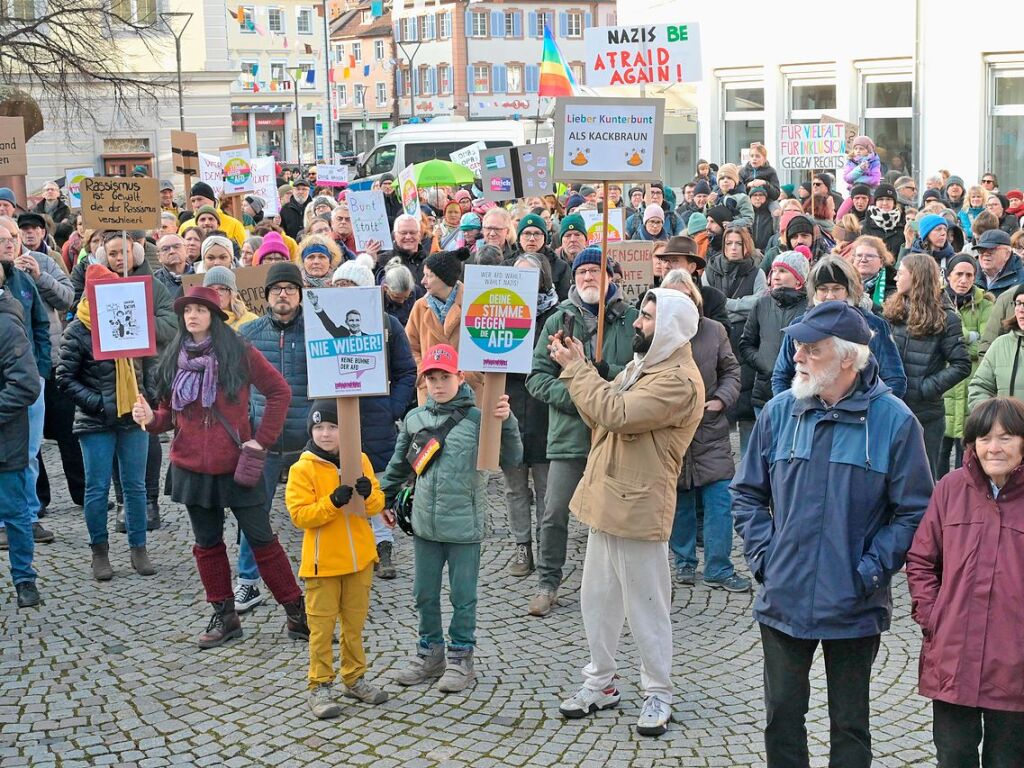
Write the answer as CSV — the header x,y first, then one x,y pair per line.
x,y
104,392
203,394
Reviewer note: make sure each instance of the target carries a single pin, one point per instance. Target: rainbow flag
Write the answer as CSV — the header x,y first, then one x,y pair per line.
x,y
555,76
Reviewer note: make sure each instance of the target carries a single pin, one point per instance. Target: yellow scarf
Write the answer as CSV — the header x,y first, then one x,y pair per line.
x,y
126,385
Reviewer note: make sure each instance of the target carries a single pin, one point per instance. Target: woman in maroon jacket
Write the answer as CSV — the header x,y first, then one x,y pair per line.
x,y
966,575
204,381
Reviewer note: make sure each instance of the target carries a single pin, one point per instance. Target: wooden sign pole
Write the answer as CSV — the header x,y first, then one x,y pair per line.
x,y
598,352
490,427
350,451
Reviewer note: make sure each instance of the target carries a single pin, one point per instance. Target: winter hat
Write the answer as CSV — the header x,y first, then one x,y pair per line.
x,y
320,248
931,194
641,191
954,180
256,203
199,294
721,214
697,222
729,171
653,212
789,189
355,272
804,251
447,265
573,223
702,188
202,189
282,272
825,179
470,221
762,191
798,225
589,255
574,201
1015,194
860,189
324,411
866,142
210,210
463,194
960,258
7,195
220,276
795,264
926,224
535,221
885,190
827,272
211,240
272,243
586,189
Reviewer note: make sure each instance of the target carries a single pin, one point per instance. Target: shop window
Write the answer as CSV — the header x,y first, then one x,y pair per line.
x,y
1005,157
743,118
888,118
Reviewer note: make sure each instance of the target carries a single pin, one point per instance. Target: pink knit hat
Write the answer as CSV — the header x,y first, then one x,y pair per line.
x,y
272,243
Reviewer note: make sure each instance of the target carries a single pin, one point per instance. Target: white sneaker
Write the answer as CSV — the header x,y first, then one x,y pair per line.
x,y
587,702
654,717
247,597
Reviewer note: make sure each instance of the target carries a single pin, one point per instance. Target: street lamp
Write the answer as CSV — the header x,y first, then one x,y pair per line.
x,y
182,18
295,73
412,76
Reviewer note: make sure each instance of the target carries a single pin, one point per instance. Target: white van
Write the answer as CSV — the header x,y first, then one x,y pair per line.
x,y
418,142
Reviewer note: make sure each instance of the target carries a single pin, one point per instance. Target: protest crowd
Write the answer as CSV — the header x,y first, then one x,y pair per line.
x,y
862,349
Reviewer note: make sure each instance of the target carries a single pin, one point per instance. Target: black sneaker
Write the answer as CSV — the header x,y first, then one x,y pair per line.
x,y
40,535
28,595
247,597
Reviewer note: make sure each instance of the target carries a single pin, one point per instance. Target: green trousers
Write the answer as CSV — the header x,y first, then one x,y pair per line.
x,y
463,571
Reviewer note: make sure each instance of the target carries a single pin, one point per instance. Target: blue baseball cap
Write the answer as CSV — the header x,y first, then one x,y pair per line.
x,y
830,318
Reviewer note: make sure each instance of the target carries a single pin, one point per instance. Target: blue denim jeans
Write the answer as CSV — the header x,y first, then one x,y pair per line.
x,y
131,447
19,528
36,415
248,573
717,530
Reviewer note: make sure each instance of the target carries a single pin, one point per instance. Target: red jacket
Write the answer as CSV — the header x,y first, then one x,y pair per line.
x,y
966,574
201,444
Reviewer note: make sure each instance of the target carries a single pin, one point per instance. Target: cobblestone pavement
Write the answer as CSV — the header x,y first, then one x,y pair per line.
x,y
107,674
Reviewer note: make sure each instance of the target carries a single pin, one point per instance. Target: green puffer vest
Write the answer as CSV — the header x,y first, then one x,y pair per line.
x,y
974,314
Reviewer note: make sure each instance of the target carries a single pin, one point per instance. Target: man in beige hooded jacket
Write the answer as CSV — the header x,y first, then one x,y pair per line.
x,y
642,424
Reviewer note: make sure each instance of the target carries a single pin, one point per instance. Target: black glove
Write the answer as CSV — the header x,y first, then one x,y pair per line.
x,y
342,495
364,487
602,369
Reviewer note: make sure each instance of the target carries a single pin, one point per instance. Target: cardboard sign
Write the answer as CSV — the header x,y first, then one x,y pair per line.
x,y
593,221
469,157
185,152
331,175
237,167
498,314
507,173
123,324
120,203
534,165
346,351
666,53
813,146
264,184
72,184
13,156
609,138
852,129
497,174
408,192
369,219
636,257
212,172
250,282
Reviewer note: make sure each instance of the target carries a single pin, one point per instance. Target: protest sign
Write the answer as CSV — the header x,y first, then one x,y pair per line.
x,y
636,257
409,194
237,167
852,129
264,184
534,175
497,174
13,157
592,220
812,146
369,219
609,138
469,157
664,53
331,175
498,313
72,184
185,152
123,323
346,353
250,281
511,172
212,172
120,203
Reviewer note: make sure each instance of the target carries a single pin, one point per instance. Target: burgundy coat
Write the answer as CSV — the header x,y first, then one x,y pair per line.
x,y
966,575
202,445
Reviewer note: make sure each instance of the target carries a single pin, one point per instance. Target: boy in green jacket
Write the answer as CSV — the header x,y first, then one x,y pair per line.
x,y
449,513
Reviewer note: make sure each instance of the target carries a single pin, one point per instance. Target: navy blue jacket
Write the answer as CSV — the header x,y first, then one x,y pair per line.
x,y
377,415
827,502
284,345
883,349
34,315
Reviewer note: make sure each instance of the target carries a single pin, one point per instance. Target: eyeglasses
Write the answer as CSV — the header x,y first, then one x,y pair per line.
x,y
832,292
588,271
169,248
988,181
865,256
817,184
813,351
495,230
532,235
1018,305
223,289
284,290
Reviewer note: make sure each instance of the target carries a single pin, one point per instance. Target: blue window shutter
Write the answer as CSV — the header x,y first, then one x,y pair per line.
x,y
415,28
432,23
400,84
432,79
517,24
398,32
563,24
531,21
470,85
415,76
587,21
532,78
469,23
498,78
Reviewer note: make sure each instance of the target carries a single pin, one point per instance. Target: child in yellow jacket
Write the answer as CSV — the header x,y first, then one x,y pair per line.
x,y
338,555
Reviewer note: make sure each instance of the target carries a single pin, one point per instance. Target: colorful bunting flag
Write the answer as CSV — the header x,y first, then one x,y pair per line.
x,y
311,76
376,8
366,70
555,76
351,60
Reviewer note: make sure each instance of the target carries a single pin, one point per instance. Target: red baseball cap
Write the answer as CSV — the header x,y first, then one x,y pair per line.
x,y
440,357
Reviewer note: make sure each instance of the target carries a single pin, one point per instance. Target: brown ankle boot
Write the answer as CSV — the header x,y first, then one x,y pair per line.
x,y
224,625
141,562
101,568
298,628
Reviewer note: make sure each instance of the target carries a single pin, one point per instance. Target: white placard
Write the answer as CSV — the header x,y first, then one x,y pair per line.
x,y
369,219
593,221
331,175
346,352
469,157
264,184
499,307
604,138
237,166
407,192
812,146
665,53
212,172
72,179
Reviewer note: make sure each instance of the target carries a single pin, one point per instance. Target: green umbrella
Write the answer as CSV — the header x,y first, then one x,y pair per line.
x,y
441,173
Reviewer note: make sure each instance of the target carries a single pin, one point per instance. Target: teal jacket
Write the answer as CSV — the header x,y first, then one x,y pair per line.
x,y
450,504
568,436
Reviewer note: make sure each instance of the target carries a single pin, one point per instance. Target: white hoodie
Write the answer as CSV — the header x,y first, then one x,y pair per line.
x,y
675,323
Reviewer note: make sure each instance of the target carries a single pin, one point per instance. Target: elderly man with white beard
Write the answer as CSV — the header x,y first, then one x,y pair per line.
x,y
827,498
